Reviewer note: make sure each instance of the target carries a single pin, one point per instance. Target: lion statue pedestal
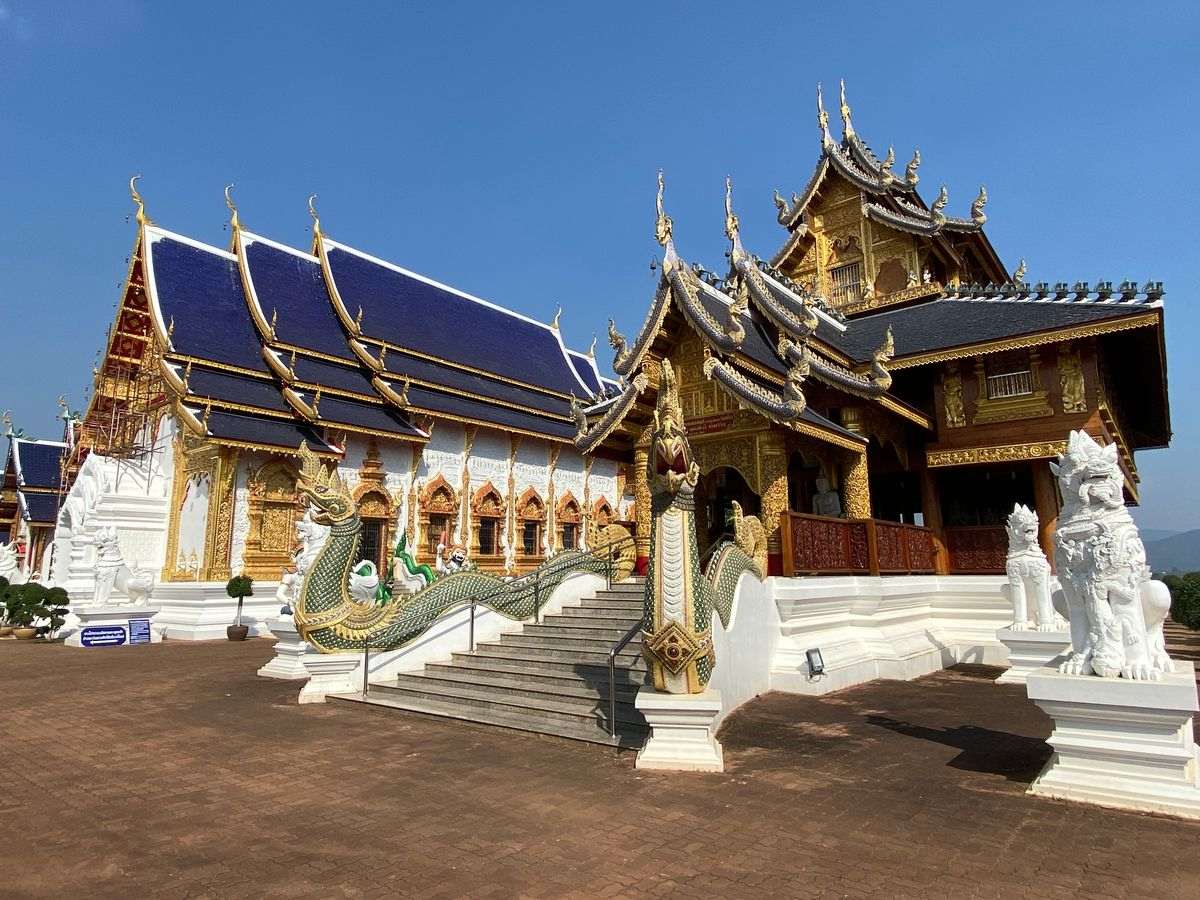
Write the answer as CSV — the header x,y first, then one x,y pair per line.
x,y
1122,708
1037,635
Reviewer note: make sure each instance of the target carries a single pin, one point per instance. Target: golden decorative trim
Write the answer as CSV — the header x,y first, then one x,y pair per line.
x,y
213,364
1093,329
1006,453
486,424
905,411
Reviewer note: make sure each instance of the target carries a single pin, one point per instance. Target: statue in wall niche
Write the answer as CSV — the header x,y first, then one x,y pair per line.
x,y
827,501
1070,378
952,400
1028,573
112,572
9,566
1116,609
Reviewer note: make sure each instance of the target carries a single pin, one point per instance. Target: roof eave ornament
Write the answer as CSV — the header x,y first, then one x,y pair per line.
x,y
910,171
312,211
592,349
142,218
823,120
732,223
885,168
978,216
847,125
664,229
554,323
939,204
234,222
1018,275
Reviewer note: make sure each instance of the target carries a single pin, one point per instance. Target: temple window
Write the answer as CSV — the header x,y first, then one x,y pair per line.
x,y
567,517
531,537
374,511
602,513
437,508
1009,375
487,537
273,510
438,528
847,283
487,513
531,519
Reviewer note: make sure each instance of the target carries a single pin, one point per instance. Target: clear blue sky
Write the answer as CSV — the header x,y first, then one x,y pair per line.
x,y
510,149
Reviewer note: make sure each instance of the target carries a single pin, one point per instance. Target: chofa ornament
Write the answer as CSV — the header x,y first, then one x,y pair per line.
x,y
1116,609
1028,573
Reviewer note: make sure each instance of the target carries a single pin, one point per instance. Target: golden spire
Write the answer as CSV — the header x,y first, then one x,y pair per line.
x,y
731,219
847,125
234,222
557,316
312,211
142,218
663,226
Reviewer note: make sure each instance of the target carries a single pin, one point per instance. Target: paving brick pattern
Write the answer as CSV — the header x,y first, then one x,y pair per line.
x,y
172,770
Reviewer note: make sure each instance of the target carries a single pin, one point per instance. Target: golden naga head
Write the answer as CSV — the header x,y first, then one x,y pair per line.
x,y
671,464
323,488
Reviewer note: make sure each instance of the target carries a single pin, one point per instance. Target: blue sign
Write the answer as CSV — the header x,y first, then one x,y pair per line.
x,y
139,631
102,636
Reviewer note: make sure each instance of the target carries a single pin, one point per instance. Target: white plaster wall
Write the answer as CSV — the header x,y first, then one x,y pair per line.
x,y
602,482
489,460
745,650
443,455
241,509
532,468
192,518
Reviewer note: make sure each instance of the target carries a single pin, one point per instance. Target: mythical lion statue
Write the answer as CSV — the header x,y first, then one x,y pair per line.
x,y
1116,609
9,567
1028,573
112,572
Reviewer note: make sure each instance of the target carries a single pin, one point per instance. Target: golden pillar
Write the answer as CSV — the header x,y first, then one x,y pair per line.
x,y
1045,499
219,529
856,489
641,505
772,457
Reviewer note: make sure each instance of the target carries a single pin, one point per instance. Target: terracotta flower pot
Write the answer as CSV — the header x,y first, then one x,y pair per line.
x,y
237,632
25,634
5,630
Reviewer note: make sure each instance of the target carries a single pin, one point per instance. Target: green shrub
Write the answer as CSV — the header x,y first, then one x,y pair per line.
x,y
240,586
1185,599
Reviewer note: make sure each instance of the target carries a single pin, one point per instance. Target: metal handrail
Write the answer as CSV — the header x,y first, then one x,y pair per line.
x,y
612,675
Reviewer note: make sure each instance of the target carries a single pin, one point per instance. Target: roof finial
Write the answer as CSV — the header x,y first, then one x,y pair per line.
x,y
207,413
142,218
939,203
316,404
663,226
234,223
823,119
383,356
274,319
557,316
187,375
404,401
977,213
292,366
592,349
312,211
731,219
910,173
171,328
885,167
847,125
358,321
1018,275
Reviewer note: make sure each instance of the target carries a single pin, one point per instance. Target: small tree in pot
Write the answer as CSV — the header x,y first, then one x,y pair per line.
x,y
6,591
24,607
239,586
53,611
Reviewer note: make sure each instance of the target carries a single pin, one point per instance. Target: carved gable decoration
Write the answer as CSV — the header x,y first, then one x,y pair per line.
x,y
488,502
439,497
531,508
892,276
567,510
602,513
373,503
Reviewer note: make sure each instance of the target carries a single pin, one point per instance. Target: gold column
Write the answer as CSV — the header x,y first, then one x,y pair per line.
x,y
552,499
219,528
179,479
641,498
772,462
856,489
1045,499
464,497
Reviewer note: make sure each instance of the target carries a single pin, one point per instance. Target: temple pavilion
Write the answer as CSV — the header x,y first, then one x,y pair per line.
x,y
880,390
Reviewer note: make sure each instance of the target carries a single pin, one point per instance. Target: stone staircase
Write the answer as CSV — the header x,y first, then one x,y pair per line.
x,y
550,678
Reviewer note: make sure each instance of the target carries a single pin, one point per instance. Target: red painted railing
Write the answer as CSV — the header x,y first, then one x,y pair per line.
x,y
977,549
821,545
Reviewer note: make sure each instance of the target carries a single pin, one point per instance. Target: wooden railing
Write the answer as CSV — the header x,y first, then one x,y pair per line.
x,y
976,549
821,545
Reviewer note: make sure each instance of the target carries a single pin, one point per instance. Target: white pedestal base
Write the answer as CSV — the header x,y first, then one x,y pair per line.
x,y
331,673
290,651
682,731
110,626
1120,743
1029,651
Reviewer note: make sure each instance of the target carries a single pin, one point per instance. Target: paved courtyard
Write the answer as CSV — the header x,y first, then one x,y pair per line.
x,y
172,770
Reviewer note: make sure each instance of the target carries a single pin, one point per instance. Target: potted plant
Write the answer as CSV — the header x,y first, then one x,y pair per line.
x,y
53,611
6,590
239,586
23,610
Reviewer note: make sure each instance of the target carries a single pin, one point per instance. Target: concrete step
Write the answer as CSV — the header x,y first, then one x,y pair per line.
x,y
523,684
630,657
615,607
510,659
572,629
538,710
598,620
582,645
628,736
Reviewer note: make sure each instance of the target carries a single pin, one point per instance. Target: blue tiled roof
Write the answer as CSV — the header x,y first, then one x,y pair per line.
x,y
232,388
201,291
261,430
4,534
500,416
340,411
39,463
331,374
401,364
40,508
583,368
294,287
414,314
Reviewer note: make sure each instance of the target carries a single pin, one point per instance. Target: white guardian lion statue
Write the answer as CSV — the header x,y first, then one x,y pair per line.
x,y
1028,573
1116,609
112,572
9,567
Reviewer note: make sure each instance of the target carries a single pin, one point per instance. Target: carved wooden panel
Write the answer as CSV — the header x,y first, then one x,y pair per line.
x,y
977,549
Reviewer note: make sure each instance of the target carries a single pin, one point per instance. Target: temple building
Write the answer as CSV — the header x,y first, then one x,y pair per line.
x,y
883,366
880,392
29,499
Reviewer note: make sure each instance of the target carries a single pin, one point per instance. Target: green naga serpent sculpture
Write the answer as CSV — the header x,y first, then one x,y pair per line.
x,y
330,619
679,601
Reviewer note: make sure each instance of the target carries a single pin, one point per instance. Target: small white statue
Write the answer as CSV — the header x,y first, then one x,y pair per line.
x,y
827,501
112,572
311,536
1116,609
455,562
364,581
1028,573
9,567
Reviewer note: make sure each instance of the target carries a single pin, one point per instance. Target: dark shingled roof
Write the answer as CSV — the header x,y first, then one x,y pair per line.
x,y
252,429
213,384
946,323
39,463
414,314
583,368
293,287
341,411
40,508
331,374
400,365
464,407
200,290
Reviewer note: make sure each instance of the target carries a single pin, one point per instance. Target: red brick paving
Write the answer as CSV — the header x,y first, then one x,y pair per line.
x,y
172,770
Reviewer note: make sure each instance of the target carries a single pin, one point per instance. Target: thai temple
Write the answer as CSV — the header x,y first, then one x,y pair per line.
x,y
881,364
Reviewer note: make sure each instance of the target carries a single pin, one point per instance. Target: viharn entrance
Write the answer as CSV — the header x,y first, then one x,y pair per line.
x,y
715,496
